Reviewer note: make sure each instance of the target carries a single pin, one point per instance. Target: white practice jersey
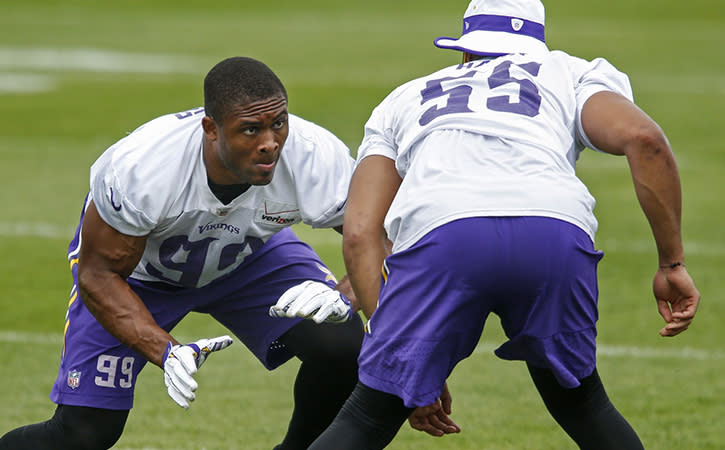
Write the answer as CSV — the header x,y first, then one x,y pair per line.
x,y
154,183
496,137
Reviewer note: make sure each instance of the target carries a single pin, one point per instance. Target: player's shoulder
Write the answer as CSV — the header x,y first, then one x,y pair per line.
x,y
306,128
311,148
168,126
168,130
165,130
414,86
577,64
159,151
305,135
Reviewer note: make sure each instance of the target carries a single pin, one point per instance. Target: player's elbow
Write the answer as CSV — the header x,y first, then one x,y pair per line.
x,y
91,284
356,239
647,143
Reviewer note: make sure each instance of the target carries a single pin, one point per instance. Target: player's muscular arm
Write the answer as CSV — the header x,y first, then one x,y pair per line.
x,y
106,259
372,189
616,125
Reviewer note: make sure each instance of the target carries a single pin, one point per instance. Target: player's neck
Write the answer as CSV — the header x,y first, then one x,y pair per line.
x,y
227,192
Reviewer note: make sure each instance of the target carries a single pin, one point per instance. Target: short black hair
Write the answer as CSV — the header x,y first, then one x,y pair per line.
x,y
238,80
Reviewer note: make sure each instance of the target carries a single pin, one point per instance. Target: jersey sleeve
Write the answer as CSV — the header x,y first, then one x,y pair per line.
x,y
137,181
596,76
379,137
115,202
322,167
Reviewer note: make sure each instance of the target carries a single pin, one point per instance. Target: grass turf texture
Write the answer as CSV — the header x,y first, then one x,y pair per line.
x,y
337,61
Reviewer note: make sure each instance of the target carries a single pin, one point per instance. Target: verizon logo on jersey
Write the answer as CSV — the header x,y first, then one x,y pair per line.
x,y
278,219
278,213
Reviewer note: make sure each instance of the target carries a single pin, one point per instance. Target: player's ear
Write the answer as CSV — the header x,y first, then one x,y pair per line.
x,y
210,128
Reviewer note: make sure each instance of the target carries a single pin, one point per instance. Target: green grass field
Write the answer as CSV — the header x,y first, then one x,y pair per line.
x,y
77,75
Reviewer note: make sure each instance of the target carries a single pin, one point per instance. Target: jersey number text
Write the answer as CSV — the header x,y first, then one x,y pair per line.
x,y
457,97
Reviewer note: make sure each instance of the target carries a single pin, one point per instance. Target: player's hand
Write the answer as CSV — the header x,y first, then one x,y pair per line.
x,y
313,300
677,299
181,363
434,419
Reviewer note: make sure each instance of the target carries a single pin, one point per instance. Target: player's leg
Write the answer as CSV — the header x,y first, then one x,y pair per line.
x,y
328,352
585,412
325,379
369,420
96,378
430,316
70,428
93,389
550,319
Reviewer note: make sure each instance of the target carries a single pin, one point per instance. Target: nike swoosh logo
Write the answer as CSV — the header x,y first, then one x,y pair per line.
x,y
341,206
117,208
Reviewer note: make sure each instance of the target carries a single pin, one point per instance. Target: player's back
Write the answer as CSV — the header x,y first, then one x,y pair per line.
x,y
495,137
529,98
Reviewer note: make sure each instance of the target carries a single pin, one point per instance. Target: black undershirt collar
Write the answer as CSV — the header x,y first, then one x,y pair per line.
x,y
227,192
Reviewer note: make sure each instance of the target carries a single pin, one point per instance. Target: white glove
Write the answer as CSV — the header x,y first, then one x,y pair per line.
x,y
182,361
313,300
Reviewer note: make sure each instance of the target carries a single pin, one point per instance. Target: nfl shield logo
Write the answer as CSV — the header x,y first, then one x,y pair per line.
x,y
516,24
74,379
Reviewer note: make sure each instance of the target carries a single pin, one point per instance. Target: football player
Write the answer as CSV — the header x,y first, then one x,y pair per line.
x,y
191,213
470,172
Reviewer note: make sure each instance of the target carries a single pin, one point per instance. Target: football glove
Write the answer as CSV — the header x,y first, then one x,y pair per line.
x,y
182,361
313,300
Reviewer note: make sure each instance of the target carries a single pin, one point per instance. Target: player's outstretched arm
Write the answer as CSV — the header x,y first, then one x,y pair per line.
x,y
365,246
374,184
106,259
617,126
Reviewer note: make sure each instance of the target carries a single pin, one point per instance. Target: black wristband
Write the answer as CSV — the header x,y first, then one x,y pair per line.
x,y
673,265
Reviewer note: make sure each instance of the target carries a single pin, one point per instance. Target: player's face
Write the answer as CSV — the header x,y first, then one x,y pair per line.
x,y
246,148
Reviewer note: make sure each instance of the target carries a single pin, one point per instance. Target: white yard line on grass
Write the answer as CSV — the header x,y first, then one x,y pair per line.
x,y
15,337
96,60
25,83
51,61
36,229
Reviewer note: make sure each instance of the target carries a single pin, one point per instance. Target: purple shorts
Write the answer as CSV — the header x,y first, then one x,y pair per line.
x,y
537,274
96,370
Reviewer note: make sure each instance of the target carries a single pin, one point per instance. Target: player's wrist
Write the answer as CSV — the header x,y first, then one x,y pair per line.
x,y
674,265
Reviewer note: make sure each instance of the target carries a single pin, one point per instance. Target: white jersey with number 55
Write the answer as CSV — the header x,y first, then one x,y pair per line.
x,y
494,137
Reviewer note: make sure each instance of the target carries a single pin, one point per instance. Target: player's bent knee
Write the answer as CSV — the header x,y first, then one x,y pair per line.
x,y
337,344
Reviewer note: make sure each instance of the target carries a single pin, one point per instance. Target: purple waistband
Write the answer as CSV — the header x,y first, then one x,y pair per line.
x,y
503,23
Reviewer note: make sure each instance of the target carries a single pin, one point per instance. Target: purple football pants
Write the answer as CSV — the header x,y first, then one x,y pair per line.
x,y
537,274
96,370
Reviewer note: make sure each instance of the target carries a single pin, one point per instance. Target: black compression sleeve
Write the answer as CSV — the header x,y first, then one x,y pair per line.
x,y
70,428
326,377
586,413
369,420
